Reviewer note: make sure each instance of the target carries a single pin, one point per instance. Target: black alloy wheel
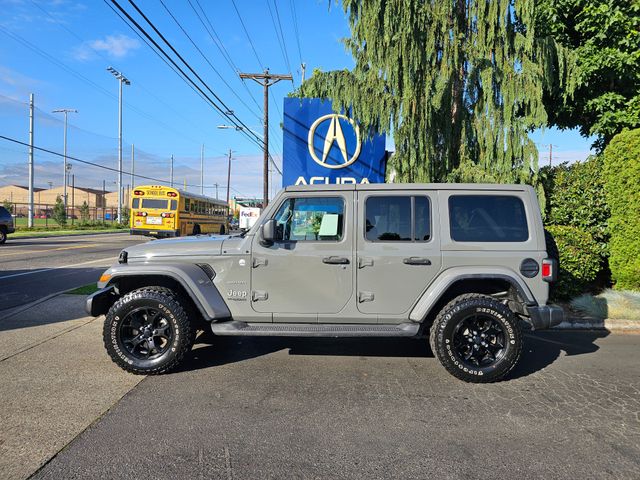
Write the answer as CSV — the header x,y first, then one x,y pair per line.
x,y
145,333
479,341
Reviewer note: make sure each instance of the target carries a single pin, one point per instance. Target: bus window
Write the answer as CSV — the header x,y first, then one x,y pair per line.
x,y
187,204
135,203
174,205
153,203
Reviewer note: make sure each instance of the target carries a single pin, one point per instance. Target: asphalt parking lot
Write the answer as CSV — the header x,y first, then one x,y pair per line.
x,y
377,408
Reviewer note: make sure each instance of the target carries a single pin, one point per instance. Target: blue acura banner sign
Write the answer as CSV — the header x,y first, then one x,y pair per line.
x,y
321,146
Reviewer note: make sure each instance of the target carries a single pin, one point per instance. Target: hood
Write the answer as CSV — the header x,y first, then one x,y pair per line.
x,y
175,247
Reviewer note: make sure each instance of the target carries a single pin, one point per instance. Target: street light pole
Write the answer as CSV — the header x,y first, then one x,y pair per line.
x,y
229,177
202,170
65,111
121,79
171,172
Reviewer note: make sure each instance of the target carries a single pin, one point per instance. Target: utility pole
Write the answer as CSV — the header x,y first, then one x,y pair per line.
x,y
216,185
133,165
202,170
303,67
66,111
73,196
30,213
104,202
265,79
550,154
121,79
171,172
229,177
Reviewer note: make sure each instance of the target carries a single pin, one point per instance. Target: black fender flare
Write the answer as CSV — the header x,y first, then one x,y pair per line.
x,y
194,279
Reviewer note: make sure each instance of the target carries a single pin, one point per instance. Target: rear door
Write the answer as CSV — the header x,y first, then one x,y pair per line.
x,y
398,251
310,271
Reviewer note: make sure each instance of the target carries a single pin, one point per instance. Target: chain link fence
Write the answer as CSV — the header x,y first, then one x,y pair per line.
x,y
44,215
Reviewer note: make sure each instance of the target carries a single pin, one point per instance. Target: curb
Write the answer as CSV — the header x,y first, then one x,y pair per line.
x,y
591,323
9,237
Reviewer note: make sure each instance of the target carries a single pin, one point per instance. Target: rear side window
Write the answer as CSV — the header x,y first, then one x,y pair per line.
x,y
135,203
487,218
397,219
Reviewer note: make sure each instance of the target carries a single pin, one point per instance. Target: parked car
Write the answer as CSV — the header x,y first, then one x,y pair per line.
x,y
6,224
464,264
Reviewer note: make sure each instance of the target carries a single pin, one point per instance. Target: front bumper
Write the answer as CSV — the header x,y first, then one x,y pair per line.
x,y
545,316
100,302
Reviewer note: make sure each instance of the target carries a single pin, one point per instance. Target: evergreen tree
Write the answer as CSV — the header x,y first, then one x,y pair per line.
x,y
458,83
59,213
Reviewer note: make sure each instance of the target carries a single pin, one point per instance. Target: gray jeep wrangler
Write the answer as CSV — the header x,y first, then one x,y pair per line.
x,y
465,264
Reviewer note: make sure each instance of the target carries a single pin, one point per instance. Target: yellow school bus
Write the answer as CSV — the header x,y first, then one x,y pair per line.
x,y
161,212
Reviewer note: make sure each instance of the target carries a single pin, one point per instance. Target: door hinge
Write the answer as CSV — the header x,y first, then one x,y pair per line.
x,y
365,262
259,261
365,297
258,295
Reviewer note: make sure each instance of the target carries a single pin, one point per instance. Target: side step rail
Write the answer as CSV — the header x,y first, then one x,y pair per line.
x,y
314,330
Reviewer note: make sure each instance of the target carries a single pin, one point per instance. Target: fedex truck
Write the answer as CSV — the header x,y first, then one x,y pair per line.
x,y
247,217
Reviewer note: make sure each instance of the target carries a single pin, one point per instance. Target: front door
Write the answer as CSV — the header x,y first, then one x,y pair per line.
x,y
310,270
398,251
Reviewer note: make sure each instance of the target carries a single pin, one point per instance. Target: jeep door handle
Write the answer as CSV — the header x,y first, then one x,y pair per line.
x,y
416,261
336,260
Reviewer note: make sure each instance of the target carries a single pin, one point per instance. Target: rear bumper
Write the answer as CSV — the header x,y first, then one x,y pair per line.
x,y
545,316
155,233
11,229
100,302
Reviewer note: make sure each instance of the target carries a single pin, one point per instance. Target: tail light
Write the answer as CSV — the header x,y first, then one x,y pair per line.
x,y
167,215
549,270
141,214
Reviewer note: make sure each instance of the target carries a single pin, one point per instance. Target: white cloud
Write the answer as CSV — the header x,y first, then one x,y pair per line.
x,y
114,46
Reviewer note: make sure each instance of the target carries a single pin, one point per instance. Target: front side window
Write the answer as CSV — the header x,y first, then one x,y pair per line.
x,y
397,219
311,219
487,218
154,203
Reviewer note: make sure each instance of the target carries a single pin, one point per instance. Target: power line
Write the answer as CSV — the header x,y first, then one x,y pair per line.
x,y
246,32
294,14
207,59
222,108
93,164
279,35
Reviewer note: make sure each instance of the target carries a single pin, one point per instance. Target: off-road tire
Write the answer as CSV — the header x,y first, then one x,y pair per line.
x,y
174,312
444,326
3,235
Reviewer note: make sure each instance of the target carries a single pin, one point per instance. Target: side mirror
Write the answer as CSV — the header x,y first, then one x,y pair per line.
x,y
269,232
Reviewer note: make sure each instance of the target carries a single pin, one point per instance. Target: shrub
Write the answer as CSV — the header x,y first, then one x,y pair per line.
x,y
609,304
622,186
580,260
575,196
59,212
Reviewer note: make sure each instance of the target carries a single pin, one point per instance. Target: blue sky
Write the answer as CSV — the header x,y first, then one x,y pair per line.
x,y
60,49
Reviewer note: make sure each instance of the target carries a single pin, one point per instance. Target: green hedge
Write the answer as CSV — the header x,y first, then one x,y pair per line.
x,y
580,261
575,196
622,186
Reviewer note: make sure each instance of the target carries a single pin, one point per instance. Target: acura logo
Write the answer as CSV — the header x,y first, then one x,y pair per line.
x,y
334,134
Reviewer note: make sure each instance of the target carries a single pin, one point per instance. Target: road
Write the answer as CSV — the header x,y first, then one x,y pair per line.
x,y
34,268
253,408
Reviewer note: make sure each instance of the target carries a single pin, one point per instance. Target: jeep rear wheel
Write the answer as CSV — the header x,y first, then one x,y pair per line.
x,y
477,338
147,332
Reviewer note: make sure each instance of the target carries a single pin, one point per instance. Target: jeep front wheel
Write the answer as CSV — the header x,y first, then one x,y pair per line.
x,y
476,338
147,332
